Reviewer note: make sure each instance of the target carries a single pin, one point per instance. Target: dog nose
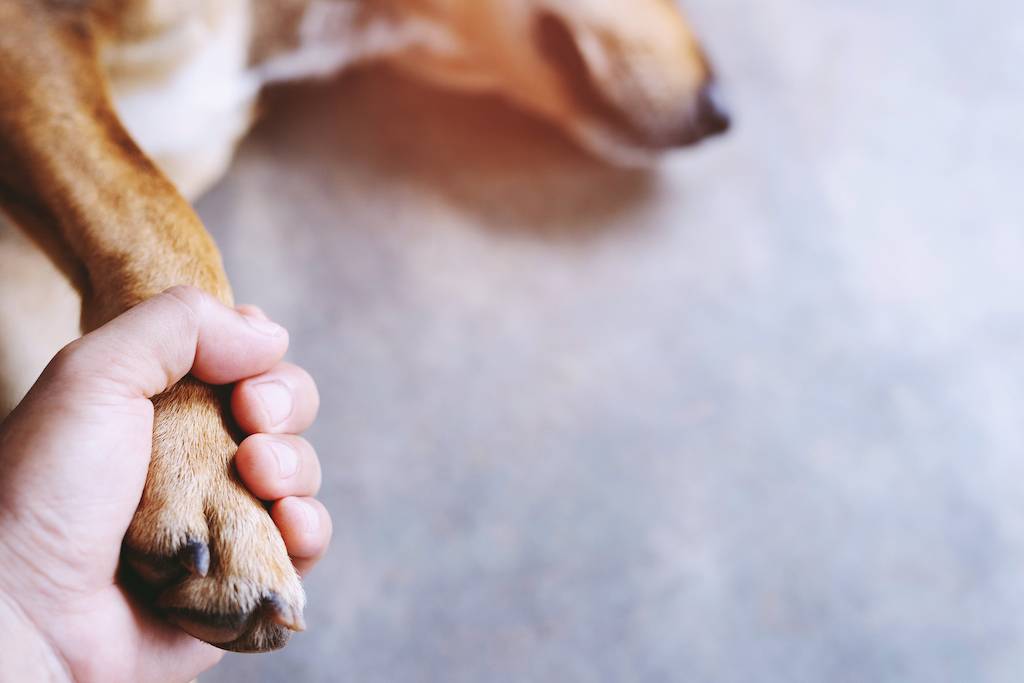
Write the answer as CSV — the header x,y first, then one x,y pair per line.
x,y
707,116
711,117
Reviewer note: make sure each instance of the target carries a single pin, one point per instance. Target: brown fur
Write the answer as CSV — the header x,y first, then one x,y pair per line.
x,y
118,229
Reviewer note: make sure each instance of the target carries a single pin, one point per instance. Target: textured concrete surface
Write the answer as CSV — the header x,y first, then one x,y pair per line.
x,y
757,416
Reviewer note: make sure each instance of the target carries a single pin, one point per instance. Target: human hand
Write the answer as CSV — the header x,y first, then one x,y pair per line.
x,y
73,461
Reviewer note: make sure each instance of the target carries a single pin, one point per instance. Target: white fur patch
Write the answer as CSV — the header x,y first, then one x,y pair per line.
x,y
331,39
190,120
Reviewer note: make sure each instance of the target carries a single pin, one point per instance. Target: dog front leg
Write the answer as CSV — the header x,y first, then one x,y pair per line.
x,y
76,182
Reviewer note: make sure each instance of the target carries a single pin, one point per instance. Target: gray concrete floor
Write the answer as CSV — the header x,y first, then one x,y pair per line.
x,y
757,416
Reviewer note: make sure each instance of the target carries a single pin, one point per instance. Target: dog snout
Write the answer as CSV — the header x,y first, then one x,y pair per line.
x,y
707,116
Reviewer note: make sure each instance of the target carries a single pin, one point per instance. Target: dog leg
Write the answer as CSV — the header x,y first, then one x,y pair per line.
x,y
117,228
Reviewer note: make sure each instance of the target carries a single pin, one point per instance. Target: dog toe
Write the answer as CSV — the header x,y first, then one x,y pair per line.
x,y
266,627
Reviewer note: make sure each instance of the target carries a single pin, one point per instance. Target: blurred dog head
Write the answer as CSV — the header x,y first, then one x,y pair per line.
x,y
626,78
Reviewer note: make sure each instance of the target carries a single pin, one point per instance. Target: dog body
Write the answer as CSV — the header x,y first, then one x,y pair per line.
x,y
112,112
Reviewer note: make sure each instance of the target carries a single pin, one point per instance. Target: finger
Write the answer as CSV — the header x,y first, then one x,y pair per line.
x,y
277,466
306,528
283,400
150,347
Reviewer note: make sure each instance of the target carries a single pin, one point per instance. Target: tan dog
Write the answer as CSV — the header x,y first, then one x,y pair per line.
x,y
113,111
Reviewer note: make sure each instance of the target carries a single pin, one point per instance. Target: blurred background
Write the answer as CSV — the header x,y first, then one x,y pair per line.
x,y
756,414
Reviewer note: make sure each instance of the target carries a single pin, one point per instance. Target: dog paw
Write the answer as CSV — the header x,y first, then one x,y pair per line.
x,y
205,549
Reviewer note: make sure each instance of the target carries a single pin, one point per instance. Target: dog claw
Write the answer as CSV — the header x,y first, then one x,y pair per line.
x,y
196,558
284,614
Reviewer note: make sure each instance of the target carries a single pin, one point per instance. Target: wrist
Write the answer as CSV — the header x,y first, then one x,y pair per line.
x,y
25,651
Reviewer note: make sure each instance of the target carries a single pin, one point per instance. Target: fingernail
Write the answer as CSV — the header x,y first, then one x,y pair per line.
x,y
287,458
262,325
310,519
276,399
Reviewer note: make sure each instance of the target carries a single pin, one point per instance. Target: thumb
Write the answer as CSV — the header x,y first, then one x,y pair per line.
x,y
147,349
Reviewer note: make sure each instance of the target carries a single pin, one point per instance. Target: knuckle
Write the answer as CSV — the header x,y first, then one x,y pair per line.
x,y
72,360
190,298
